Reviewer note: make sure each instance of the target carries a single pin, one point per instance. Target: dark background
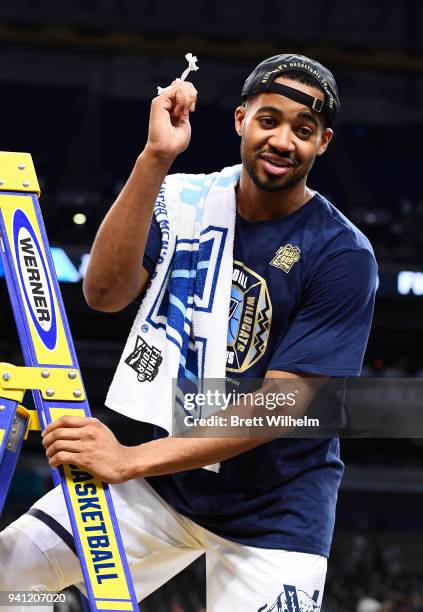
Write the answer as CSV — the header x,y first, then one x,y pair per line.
x,y
76,79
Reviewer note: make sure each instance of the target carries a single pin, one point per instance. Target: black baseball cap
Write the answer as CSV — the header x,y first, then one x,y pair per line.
x,y
263,76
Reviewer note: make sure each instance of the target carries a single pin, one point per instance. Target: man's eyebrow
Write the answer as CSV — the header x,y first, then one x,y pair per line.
x,y
269,109
304,114
309,116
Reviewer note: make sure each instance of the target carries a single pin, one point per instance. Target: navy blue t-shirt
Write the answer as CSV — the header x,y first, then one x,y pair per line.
x,y
313,275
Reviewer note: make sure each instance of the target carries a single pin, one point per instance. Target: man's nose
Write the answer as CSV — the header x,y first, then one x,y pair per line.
x,y
281,139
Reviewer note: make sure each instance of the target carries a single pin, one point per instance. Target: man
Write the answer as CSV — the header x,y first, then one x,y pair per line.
x,y
266,518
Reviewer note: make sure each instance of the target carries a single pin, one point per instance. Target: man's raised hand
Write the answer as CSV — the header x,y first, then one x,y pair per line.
x,y
169,130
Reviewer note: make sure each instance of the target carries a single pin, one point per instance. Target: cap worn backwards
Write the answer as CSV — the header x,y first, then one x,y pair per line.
x,y
263,76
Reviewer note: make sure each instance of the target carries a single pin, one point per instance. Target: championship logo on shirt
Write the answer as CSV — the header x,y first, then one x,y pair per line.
x,y
285,257
250,316
293,600
145,360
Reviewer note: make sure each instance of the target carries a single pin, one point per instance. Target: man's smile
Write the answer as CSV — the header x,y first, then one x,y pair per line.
x,y
276,165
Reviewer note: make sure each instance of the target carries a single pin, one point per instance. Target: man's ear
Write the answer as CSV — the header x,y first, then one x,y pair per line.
x,y
325,140
240,113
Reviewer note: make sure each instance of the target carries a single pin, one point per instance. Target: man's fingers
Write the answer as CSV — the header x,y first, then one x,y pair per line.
x,y
67,421
70,446
62,433
183,95
190,98
63,457
181,102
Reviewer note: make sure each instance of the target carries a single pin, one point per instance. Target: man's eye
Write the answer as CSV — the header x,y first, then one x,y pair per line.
x,y
267,121
304,132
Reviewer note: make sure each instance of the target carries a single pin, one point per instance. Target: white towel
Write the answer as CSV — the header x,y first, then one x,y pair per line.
x,y
180,331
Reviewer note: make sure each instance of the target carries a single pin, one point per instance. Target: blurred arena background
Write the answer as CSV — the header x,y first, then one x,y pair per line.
x,y
75,81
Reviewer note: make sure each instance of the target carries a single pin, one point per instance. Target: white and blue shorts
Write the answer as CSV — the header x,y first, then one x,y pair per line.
x,y
159,543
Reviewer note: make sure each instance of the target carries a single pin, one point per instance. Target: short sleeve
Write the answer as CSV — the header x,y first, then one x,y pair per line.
x,y
329,334
152,248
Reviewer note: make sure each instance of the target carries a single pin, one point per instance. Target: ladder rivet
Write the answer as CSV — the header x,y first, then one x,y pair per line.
x,y
49,392
13,429
25,183
1,182
21,166
9,445
77,393
6,376
72,375
45,373
2,407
